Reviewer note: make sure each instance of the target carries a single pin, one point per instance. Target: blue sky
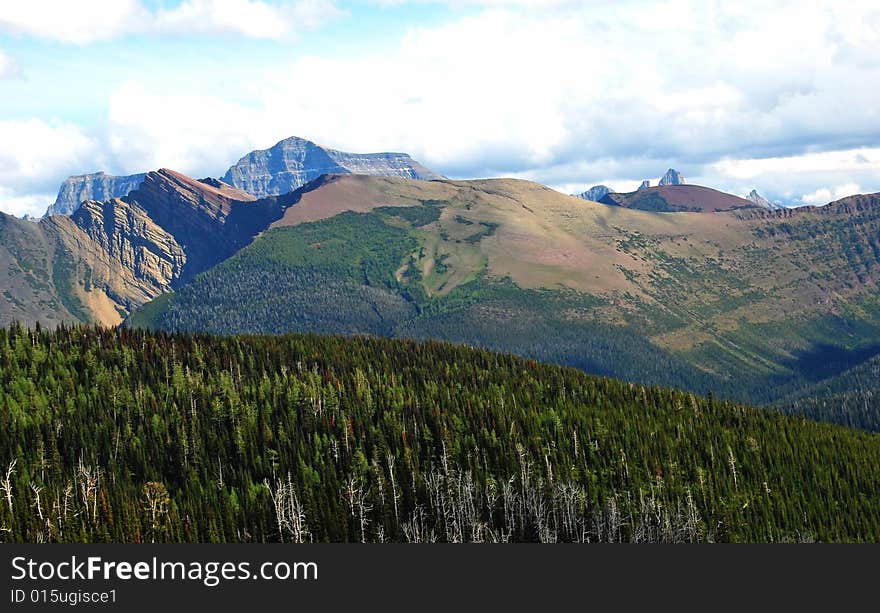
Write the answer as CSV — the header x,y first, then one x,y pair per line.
x,y
784,99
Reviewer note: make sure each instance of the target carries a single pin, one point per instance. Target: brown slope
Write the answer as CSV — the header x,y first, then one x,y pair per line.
x,y
679,198
331,195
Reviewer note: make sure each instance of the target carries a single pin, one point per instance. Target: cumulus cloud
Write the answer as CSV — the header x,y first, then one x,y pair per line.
x,y
609,92
98,20
18,205
824,195
566,93
810,178
34,149
201,135
34,155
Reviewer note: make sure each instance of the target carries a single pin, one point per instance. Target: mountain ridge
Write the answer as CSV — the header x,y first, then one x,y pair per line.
x,y
684,293
677,198
298,161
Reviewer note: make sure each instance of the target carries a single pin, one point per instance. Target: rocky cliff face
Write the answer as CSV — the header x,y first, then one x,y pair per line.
x,y
294,162
111,257
672,177
122,257
595,193
96,186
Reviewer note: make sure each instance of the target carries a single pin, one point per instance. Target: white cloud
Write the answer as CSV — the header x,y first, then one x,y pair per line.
x,y
98,20
810,178
9,68
35,151
825,195
541,4
72,22
250,18
567,93
31,204
34,148
202,135
852,160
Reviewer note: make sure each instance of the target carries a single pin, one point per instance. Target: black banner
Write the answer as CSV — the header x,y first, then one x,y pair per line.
x,y
465,577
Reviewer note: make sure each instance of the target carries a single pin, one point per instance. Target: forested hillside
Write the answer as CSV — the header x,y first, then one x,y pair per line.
x,y
128,435
851,398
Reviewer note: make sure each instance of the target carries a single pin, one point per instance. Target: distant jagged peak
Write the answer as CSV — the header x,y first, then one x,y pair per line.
x,y
595,193
645,185
672,177
762,202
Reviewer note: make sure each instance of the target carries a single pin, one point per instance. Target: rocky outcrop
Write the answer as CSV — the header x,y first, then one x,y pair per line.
x,y
762,202
645,185
672,177
595,193
293,162
96,186
111,257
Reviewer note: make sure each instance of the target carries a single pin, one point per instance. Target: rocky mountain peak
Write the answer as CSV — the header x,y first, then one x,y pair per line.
x,y
672,177
595,193
294,161
762,202
645,185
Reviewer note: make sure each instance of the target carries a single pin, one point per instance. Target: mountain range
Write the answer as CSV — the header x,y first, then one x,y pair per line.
x,y
284,167
659,200
675,284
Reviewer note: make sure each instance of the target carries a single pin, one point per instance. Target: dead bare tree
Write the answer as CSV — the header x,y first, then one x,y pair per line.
x,y
6,483
363,506
89,479
416,529
61,507
395,496
731,460
290,513
37,503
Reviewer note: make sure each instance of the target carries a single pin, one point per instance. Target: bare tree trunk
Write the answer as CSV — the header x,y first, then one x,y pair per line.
x,y
6,483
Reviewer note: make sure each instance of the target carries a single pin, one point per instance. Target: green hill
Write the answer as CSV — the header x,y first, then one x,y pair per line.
x,y
127,435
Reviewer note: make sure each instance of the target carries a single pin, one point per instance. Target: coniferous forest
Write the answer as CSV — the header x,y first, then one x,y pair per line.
x,y
133,436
